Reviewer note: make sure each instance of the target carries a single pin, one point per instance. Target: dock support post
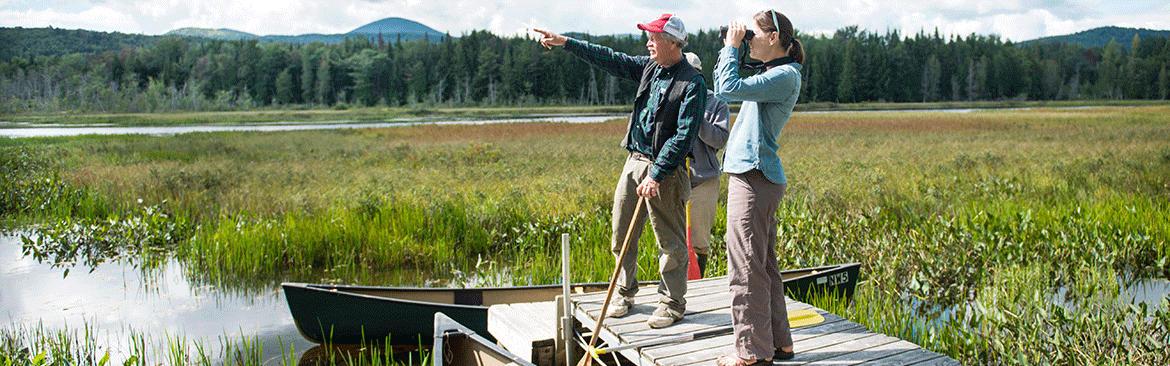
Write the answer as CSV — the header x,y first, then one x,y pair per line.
x,y
564,305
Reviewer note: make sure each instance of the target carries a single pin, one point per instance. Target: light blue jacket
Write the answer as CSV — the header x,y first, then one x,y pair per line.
x,y
768,99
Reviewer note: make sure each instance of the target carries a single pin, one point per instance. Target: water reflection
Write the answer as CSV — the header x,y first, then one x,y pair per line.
x,y
114,299
10,130
171,301
1150,291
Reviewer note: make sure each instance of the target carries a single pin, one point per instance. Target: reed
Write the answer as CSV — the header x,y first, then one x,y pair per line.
x,y
38,346
951,214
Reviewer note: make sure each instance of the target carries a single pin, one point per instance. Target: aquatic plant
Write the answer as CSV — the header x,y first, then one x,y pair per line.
x,y
25,345
31,184
145,239
972,228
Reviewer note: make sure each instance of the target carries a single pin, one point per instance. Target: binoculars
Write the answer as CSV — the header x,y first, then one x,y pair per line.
x,y
746,36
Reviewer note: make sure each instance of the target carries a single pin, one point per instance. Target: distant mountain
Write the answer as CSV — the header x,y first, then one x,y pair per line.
x,y
396,26
1101,36
222,33
391,29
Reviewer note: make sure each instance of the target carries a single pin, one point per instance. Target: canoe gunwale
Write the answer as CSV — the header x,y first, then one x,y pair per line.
x,y
313,297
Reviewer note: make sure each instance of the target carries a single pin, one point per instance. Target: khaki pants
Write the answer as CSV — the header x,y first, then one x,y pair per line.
x,y
758,314
667,213
704,198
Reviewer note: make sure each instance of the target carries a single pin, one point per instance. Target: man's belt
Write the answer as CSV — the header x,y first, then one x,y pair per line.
x,y
641,156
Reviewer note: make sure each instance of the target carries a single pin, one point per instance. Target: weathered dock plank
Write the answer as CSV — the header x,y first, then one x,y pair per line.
x,y
910,354
525,329
939,361
841,344
835,341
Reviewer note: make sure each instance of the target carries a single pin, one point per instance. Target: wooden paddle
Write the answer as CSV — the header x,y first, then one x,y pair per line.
x,y
588,359
693,272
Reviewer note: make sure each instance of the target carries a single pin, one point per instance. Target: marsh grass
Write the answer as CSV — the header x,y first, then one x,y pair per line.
x,y
37,346
951,214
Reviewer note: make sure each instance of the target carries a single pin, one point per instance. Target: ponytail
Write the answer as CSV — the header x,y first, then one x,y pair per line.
x,y
796,51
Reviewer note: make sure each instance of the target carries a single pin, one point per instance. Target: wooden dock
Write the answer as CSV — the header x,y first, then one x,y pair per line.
x,y
835,341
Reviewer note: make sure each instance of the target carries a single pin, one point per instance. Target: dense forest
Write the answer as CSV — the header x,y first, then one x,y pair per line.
x,y
49,41
483,69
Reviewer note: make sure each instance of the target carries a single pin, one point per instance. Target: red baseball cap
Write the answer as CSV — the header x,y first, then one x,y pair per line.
x,y
666,23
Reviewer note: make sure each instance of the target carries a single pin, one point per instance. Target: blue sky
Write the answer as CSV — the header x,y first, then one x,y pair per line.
x,y
1016,20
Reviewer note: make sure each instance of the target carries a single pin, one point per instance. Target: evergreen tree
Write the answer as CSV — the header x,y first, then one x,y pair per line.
x,y
486,81
849,77
285,87
309,62
1111,79
480,68
1163,83
324,87
931,72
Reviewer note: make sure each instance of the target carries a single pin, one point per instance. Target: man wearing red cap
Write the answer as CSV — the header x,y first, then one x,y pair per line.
x,y
668,109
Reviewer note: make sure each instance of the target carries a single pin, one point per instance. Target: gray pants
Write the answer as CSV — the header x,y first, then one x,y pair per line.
x,y
667,213
704,198
758,313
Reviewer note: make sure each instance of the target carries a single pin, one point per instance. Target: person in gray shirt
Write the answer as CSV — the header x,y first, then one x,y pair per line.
x,y
705,170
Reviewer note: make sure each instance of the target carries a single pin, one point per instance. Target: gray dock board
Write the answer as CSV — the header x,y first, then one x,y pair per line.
x,y
518,326
939,361
858,351
911,354
831,345
836,341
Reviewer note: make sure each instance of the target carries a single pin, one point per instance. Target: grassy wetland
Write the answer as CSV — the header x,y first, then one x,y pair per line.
x,y
994,237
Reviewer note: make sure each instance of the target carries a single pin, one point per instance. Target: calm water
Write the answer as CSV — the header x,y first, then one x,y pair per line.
x,y
16,130
23,130
114,299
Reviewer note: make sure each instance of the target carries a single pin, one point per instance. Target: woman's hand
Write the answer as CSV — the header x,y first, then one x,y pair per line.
x,y
735,33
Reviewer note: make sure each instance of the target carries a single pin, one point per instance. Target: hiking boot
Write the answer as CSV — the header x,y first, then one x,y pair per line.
x,y
701,260
664,316
619,307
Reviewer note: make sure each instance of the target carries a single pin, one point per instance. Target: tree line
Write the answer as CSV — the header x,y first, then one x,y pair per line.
x,y
483,69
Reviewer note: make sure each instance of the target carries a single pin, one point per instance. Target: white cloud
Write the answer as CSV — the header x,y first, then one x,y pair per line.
x,y
95,18
1020,26
1012,19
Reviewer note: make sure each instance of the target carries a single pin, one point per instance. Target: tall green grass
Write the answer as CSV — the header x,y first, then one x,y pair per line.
x,y
38,346
968,225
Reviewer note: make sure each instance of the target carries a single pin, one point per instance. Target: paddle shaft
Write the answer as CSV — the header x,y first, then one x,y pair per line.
x,y
613,279
693,270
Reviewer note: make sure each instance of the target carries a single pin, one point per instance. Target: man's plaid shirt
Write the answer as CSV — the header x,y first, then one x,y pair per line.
x,y
640,137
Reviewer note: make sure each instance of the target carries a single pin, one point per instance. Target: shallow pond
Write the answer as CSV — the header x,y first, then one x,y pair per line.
x,y
114,300
42,130
162,303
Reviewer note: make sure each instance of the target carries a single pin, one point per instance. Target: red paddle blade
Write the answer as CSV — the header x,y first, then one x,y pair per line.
x,y
692,268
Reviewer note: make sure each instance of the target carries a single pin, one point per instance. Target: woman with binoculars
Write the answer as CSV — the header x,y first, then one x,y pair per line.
x,y
757,182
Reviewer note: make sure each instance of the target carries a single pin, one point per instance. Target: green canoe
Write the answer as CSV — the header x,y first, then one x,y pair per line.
x,y
340,314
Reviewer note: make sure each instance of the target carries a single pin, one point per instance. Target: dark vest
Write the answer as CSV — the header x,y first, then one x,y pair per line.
x,y
666,112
